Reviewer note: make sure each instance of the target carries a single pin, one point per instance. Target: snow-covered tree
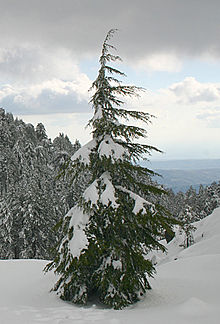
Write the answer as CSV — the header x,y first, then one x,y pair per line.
x,y
40,132
212,200
107,235
63,150
201,201
187,217
31,199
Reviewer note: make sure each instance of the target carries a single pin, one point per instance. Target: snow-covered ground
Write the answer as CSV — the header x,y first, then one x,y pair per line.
x,y
185,290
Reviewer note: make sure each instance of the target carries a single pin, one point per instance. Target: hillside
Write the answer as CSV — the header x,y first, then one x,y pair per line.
x,y
185,289
196,164
181,174
181,180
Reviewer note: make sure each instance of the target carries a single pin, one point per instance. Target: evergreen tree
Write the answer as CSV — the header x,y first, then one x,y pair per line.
x,y
63,150
31,200
187,217
109,232
201,201
3,175
191,199
41,132
212,198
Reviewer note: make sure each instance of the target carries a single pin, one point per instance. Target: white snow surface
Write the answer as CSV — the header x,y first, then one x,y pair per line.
x,y
109,148
106,196
79,221
185,288
83,153
91,193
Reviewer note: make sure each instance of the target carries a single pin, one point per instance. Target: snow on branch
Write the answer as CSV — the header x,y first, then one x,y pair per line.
x,y
108,195
101,190
98,114
91,193
109,148
78,221
83,154
140,203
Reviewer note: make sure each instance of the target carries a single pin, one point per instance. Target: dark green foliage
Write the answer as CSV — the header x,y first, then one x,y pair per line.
x,y
107,235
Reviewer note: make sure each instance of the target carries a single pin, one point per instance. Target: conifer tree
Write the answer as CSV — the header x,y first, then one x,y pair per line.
x,y
31,200
187,217
41,132
213,197
109,232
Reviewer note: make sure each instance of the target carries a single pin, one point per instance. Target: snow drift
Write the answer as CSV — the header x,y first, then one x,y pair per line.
x,y
185,289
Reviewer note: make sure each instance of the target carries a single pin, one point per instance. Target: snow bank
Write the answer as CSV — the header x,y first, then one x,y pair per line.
x,y
185,289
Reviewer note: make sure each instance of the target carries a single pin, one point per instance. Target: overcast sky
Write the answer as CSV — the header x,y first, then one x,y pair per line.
x,y
49,52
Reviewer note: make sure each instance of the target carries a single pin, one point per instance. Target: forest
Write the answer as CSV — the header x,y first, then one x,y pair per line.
x,y
33,198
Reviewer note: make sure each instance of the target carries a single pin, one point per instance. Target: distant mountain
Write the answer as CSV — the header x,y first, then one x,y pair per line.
x,y
181,180
181,174
183,164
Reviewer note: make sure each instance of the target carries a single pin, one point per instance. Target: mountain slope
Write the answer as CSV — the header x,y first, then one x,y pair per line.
x,y
181,180
185,289
181,174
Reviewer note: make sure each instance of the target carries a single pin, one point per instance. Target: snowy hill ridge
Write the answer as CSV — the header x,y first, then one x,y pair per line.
x,y
206,236
185,289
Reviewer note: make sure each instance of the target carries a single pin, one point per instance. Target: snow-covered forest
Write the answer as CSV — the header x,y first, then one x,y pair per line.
x,y
29,164
32,199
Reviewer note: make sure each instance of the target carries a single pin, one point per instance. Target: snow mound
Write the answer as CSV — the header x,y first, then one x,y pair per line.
x,y
185,289
206,236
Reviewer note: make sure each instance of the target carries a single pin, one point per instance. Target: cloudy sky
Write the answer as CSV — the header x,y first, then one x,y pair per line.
x,y
49,52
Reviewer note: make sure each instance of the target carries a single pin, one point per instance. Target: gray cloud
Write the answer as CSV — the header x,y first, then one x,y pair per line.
x,y
46,102
33,64
147,26
44,40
